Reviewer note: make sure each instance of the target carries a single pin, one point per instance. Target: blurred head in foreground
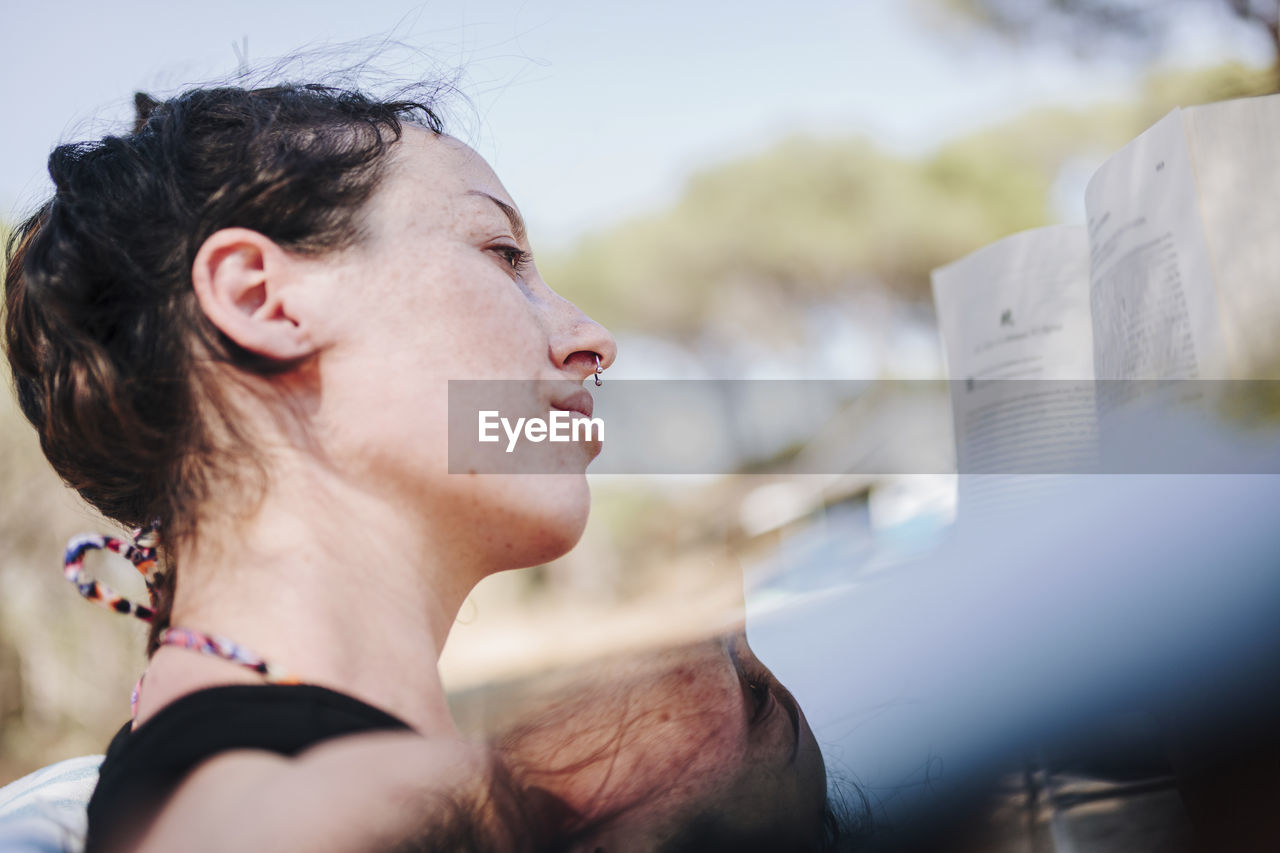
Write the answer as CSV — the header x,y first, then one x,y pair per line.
x,y
691,748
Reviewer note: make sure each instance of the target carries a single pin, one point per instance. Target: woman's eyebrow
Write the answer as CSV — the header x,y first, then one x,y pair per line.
x,y
513,215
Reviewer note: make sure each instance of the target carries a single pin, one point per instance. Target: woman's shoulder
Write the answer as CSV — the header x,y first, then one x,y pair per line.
x,y
371,792
146,764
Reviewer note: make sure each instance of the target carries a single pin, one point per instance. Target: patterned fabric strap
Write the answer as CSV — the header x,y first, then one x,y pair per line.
x,y
220,647
141,552
228,650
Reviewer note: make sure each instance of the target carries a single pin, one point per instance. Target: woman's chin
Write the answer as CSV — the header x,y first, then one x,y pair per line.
x,y
538,518
561,516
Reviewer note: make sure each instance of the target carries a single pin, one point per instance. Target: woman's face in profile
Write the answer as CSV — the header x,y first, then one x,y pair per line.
x,y
696,738
443,287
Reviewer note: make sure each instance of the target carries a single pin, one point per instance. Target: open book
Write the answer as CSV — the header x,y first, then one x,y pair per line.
x,y
1176,275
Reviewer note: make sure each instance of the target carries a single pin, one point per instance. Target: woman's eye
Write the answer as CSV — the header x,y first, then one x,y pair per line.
x,y
761,697
516,258
755,687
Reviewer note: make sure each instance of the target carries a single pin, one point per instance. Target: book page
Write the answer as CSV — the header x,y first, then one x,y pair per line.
x,y
1152,293
1235,147
1018,308
1015,325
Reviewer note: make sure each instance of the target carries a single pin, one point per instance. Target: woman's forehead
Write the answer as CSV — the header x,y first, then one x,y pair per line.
x,y
444,166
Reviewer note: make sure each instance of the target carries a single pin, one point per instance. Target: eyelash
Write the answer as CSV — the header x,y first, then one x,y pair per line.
x,y
518,259
757,687
762,696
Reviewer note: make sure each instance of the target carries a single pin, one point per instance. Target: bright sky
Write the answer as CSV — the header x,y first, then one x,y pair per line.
x,y
589,111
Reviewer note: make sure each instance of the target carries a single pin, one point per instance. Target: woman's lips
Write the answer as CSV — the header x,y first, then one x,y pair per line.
x,y
579,401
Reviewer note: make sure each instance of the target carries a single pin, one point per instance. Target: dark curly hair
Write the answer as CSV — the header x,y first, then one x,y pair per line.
x,y
108,348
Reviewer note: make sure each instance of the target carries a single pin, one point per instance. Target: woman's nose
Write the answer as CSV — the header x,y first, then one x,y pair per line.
x,y
579,340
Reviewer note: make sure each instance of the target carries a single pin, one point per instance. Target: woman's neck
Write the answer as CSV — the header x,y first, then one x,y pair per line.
x,y
339,590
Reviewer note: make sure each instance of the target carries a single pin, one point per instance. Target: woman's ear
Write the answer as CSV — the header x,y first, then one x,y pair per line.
x,y
248,287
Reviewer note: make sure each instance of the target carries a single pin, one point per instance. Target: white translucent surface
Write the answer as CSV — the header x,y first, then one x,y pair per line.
x,y
1120,592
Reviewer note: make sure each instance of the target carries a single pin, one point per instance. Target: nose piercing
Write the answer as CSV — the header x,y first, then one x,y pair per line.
x,y
599,370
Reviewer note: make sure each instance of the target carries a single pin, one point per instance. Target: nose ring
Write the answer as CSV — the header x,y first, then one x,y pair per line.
x,y
599,370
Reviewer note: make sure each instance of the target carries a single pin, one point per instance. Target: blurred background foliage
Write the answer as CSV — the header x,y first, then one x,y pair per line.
x,y
812,219
754,256
1098,27
65,673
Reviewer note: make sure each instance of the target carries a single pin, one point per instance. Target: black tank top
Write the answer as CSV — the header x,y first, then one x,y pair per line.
x,y
143,766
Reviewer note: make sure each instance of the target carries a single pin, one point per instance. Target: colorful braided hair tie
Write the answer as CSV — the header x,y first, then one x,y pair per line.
x,y
141,552
228,650
219,647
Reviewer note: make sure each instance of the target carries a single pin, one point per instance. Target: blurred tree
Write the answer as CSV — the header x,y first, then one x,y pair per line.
x,y
806,220
1091,26
751,242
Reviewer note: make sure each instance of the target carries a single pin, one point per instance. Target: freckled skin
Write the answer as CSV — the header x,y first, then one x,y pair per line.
x,y
667,737
425,299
